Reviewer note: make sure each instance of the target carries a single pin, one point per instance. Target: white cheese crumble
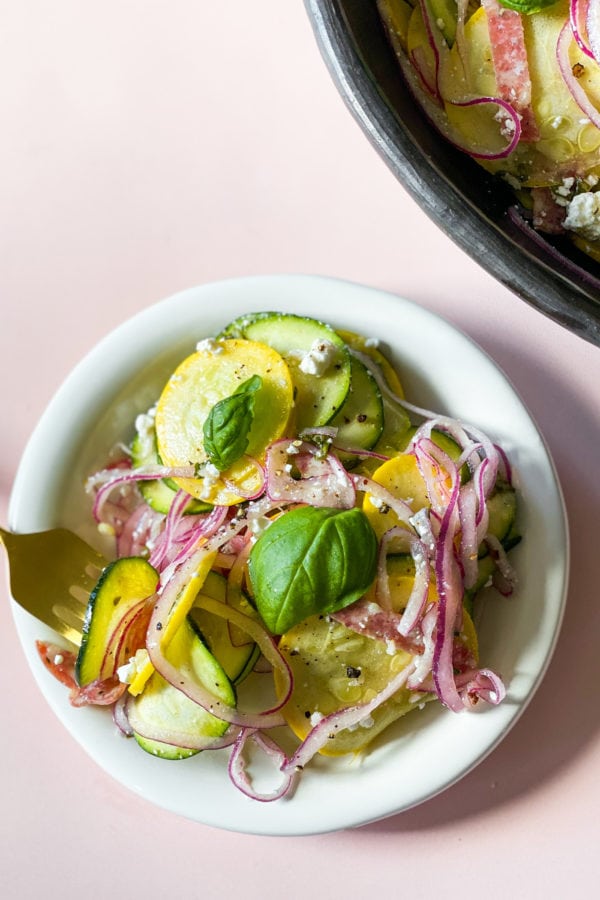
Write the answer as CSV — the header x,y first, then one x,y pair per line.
x,y
209,345
127,673
210,474
257,524
319,358
583,215
315,718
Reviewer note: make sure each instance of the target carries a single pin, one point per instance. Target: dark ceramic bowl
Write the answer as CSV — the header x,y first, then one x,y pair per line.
x,y
476,210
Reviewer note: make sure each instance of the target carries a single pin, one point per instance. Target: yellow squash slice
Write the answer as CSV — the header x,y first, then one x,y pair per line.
x,y
203,379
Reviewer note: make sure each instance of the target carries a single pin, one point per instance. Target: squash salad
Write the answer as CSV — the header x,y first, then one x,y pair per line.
x,y
296,546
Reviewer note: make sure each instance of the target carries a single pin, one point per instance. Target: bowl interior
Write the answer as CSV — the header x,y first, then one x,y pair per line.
x,y
475,209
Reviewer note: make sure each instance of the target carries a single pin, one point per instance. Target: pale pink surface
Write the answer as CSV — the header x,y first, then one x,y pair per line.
x,y
148,147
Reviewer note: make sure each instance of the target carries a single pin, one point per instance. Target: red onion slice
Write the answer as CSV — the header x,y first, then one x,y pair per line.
x,y
449,606
323,481
592,24
577,92
237,766
120,716
578,12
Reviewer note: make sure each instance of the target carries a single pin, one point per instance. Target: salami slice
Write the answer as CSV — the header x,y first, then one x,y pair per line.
x,y
511,65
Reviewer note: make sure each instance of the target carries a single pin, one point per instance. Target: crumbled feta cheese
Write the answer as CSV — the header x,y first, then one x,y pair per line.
x,y
258,524
144,423
127,673
319,358
583,215
209,345
210,474
372,342
293,448
315,718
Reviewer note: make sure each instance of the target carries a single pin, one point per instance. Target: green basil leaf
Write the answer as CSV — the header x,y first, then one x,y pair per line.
x,y
309,561
228,424
527,7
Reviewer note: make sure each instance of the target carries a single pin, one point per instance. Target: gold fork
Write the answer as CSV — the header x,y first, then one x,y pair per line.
x,y
51,576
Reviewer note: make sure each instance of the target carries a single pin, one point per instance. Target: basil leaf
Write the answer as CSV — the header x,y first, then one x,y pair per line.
x,y
228,424
527,7
311,560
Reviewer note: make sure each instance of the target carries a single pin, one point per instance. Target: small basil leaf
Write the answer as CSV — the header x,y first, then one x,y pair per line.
x,y
228,424
309,561
527,7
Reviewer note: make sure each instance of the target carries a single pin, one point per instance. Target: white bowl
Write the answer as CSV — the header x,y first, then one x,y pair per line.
x,y
442,370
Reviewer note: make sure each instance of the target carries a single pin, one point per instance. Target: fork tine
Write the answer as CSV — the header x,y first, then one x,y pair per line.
x,y
51,576
73,635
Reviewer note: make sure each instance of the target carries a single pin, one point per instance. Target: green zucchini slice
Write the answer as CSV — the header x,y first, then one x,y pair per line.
x,y
234,650
162,707
122,585
319,394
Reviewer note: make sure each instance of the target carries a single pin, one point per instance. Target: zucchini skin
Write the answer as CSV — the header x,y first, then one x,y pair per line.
x,y
124,584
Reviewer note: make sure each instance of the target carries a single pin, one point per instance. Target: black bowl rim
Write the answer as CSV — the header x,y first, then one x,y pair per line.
x,y
524,263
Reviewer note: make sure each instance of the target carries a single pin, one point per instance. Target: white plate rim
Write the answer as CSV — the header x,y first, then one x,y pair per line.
x,y
331,796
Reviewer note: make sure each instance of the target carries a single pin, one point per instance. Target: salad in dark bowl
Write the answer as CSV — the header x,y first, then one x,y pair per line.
x,y
457,173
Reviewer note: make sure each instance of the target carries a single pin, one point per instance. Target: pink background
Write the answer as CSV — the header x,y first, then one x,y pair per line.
x,y
150,146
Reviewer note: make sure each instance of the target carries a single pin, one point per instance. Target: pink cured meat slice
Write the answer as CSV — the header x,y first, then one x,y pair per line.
x,y
509,55
370,620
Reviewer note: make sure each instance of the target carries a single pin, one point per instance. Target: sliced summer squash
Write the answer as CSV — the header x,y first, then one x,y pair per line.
x,y
123,585
400,475
234,650
317,396
201,381
162,707
335,667
566,139
359,422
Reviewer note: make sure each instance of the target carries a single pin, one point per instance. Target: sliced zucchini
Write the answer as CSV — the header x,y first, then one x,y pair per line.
x,y
123,584
360,420
319,393
485,569
158,494
233,649
502,506
163,708
162,750
395,418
